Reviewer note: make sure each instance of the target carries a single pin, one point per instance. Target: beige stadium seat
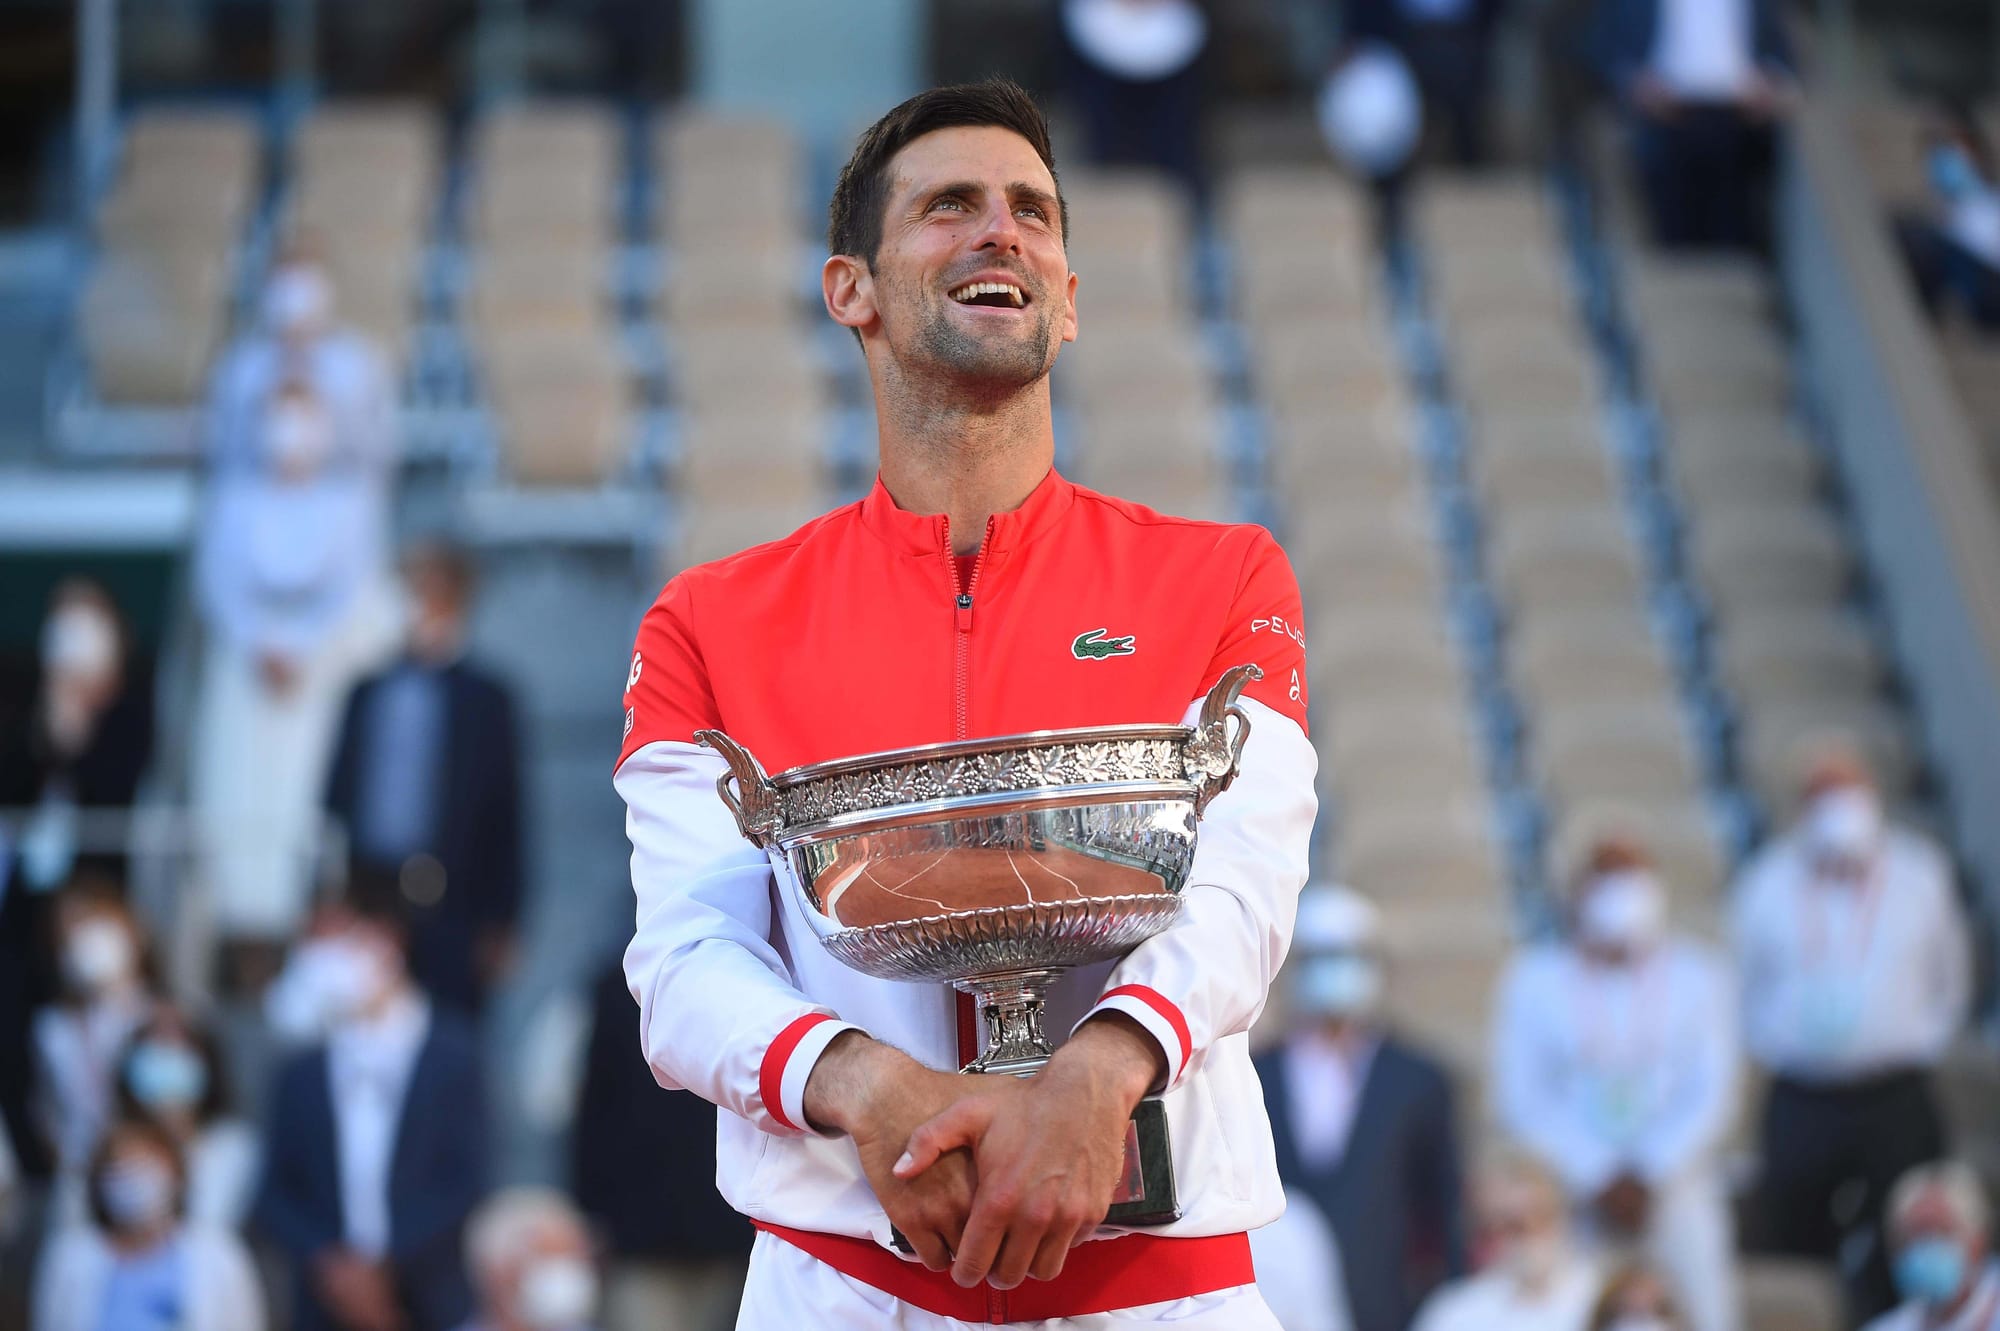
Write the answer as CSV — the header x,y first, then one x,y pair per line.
x,y
722,368
1888,141
1309,356
1677,349
1721,289
1575,430
1140,439
562,432
1356,393
1604,656
1390,558
1295,207
1274,286
1788,655
1784,1294
1615,751
1773,738
711,531
1465,209
1426,756
149,326
1128,208
762,208
1502,284
573,133
1680,835
1435,849
1743,387
1144,365
750,454
1443,991
1320,456
1367,653
1554,473
1117,288
693,137
560,286
211,143
739,284
1553,558
1759,463
1534,381
1751,559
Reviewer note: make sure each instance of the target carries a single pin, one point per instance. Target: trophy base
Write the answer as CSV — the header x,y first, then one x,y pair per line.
x,y
1145,1193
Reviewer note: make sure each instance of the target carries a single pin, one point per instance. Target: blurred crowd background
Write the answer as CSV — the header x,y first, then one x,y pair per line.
x,y
1621,375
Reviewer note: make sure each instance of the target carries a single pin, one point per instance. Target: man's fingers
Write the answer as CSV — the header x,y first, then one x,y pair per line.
x,y
1017,1250
979,1245
931,1249
960,1125
1049,1258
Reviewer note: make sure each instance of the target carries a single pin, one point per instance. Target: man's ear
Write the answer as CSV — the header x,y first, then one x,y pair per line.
x,y
849,289
1069,313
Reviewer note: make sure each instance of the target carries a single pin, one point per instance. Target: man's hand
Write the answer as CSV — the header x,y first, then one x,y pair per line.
x,y
1625,1205
357,1292
878,1095
1048,1159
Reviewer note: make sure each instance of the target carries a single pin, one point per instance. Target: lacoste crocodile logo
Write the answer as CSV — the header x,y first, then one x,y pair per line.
x,y
1097,644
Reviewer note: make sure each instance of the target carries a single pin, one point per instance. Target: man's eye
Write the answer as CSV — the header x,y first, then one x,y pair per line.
x,y
1033,210
948,201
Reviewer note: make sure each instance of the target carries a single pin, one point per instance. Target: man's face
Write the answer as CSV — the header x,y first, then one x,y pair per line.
x,y
970,210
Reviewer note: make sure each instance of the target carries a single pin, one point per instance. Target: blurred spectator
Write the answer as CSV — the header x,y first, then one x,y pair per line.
x,y
1704,82
1364,1122
1531,1278
106,995
1856,974
376,1149
1636,1300
143,1265
643,1158
1954,252
1941,1228
292,583
1615,1060
172,1077
1299,1271
426,781
1135,72
1449,47
530,1260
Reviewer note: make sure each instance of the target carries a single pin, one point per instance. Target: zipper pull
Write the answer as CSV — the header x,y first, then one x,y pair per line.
x,y
963,612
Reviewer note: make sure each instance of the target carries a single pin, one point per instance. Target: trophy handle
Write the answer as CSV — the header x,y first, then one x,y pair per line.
x,y
754,800
1215,749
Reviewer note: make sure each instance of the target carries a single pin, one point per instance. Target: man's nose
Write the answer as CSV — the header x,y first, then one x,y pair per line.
x,y
999,229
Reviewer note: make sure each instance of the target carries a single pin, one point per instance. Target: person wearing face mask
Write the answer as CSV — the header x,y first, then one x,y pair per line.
x,y
1855,963
291,578
106,995
1940,1226
1953,249
1531,1276
376,1146
1615,1061
426,780
171,1076
1636,1299
1135,70
1363,1121
531,1264
141,1265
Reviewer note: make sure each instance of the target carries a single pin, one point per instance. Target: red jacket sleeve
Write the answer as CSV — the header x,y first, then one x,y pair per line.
x,y
1266,626
667,695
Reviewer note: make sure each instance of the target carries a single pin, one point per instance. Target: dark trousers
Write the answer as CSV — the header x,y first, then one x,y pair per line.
x,y
1947,273
1131,123
1706,176
1452,63
1831,1156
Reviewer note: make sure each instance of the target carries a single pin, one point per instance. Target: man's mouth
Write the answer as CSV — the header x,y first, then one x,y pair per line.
x,y
992,295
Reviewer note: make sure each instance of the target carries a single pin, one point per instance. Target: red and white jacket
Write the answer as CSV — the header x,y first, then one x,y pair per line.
x,y
862,632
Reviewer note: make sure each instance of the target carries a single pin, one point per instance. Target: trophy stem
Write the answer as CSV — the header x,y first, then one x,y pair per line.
x,y
1012,1005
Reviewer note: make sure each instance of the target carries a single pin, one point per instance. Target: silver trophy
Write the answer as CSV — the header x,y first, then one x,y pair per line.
x,y
995,864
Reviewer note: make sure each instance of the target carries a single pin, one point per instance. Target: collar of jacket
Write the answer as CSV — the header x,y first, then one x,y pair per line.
x,y
923,533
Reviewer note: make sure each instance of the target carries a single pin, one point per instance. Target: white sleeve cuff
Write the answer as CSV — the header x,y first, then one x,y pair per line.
x,y
788,1065
1158,1016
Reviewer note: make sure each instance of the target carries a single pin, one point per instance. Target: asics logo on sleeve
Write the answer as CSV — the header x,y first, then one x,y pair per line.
x,y
1097,645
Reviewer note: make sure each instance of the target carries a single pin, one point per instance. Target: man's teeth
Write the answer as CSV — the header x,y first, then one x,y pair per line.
x,y
973,290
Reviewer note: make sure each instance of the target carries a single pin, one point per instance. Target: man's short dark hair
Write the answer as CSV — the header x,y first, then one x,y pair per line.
x,y
854,219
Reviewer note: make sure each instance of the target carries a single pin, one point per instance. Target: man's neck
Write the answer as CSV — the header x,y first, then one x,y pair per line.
x,y
966,458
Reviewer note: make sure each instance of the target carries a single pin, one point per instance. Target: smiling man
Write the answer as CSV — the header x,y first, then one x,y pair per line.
x,y
974,592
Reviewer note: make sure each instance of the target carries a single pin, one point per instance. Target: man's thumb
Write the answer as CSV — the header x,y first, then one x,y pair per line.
x,y
960,1125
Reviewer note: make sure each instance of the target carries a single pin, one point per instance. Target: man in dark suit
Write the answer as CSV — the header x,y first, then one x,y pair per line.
x,y
426,780
377,1140
1449,47
643,1164
1703,83
1363,1122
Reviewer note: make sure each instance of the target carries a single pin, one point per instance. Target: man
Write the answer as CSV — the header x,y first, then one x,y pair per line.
x,y
1703,83
1615,1062
1945,1270
426,780
1952,249
1364,1122
1854,959
377,1147
530,1259
955,601
1449,46
1533,1279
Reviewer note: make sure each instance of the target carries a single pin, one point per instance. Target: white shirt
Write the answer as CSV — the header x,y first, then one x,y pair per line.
x,y
1843,981
78,1048
1703,49
1298,1268
1323,1084
1602,1069
223,1164
1491,1301
368,1068
1981,1311
1974,222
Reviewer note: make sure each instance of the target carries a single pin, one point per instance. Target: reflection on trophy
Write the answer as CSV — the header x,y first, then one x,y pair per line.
x,y
995,864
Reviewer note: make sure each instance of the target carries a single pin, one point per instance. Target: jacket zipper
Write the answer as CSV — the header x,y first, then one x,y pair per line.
x,y
962,625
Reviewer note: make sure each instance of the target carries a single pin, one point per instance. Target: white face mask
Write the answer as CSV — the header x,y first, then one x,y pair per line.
x,y
297,436
1344,985
137,1194
1627,909
352,977
98,954
557,1294
1532,1261
79,640
298,299
1845,823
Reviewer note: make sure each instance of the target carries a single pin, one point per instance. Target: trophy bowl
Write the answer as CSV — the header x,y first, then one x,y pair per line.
x,y
995,864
